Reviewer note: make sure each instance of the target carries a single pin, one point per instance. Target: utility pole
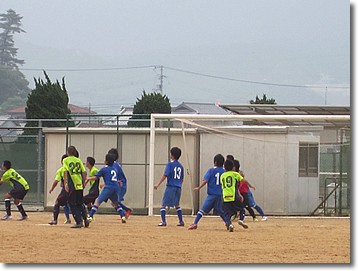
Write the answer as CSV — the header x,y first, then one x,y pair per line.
x,y
161,76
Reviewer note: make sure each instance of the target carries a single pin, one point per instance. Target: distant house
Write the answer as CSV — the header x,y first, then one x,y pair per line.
x,y
205,109
19,112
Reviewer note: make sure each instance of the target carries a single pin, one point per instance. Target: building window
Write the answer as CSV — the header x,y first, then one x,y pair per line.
x,y
308,160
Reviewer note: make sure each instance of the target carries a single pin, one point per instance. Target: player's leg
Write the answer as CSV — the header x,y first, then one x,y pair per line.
x,y
7,200
205,208
20,207
67,210
177,195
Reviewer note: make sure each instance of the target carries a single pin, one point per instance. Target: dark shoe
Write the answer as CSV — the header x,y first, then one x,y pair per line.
x,y
162,224
180,224
53,222
22,218
77,226
87,222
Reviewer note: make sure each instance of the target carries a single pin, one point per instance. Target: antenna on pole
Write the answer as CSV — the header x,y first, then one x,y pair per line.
x,y
161,76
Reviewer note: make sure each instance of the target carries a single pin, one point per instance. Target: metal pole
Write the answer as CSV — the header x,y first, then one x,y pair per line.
x,y
151,166
39,162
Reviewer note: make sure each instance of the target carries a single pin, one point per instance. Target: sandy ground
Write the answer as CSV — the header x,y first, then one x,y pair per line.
x,y
140,240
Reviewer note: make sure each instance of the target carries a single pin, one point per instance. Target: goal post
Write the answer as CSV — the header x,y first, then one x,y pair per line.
x,y
283,120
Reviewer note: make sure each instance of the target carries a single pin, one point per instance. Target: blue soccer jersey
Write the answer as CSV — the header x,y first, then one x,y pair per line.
x,y
212,176
121,175
109,175
174,172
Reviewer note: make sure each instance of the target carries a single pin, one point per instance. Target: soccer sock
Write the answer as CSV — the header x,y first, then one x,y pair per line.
x,y
162,214
125,208
261,212
21,209
180,215
8,207
93,210
198,217
56,211
242,214
120,211
84,212
66,210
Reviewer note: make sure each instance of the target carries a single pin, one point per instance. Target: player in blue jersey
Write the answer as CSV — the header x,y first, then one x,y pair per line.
x,y
174,173
214,198
122,182
111,187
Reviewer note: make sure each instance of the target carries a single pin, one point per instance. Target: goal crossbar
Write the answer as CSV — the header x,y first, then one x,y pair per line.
x,y
154,117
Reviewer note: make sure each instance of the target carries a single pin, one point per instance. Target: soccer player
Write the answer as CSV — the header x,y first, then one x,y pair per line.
x,y
244,190
111,188
20,187
93,192
174,173
122,182
62,198
214,191
231,195
74,176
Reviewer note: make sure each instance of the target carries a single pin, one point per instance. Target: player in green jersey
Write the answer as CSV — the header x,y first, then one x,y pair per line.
x,y
74,176
233,200
20,187
93,192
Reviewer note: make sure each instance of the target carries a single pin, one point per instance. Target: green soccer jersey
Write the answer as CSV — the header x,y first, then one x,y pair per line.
x,y
75,168
94,184
229,184
14,179
59,174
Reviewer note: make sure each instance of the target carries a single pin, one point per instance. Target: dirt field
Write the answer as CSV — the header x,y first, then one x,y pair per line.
x,y
140,240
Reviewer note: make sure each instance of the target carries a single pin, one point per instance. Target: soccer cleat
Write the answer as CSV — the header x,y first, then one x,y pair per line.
x,y
124,220
180,224
87,222
233,217
231,228
77,226
67,221
264,218
90,219
242,223
128,213
193,227
6,217
255,219
22,218
162,224
53,222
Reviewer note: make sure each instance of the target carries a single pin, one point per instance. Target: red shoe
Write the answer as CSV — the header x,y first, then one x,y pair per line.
x,y
193,227
128,213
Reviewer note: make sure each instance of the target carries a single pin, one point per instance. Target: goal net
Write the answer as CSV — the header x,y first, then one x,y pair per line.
x,y
278,153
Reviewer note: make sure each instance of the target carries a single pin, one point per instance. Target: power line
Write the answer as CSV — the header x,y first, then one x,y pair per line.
x,y
248,81
182,71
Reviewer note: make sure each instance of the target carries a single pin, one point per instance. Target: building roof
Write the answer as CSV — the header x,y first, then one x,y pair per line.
x,y
272,109
200,108
74,110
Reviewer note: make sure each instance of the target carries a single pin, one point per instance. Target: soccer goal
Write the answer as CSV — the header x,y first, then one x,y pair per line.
x,y
279,154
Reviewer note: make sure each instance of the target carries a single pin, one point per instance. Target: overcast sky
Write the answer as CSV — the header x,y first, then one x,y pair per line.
x,y
227,51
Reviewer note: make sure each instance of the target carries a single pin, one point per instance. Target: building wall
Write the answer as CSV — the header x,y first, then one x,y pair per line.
x,y
268,156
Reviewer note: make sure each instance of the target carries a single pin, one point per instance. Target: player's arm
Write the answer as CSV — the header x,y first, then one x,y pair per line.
x,y
160,182
202,184
65,180
54,184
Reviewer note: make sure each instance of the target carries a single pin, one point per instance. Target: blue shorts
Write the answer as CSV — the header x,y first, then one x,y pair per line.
x,y
213,202
108,192
171,196
252,202
122,192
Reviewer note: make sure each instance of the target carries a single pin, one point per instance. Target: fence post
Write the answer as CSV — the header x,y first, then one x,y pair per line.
x,y
39,162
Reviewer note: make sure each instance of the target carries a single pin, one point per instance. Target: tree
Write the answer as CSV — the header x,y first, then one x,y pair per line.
x,y
10,23
149,103
47,101
12,84
264,100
